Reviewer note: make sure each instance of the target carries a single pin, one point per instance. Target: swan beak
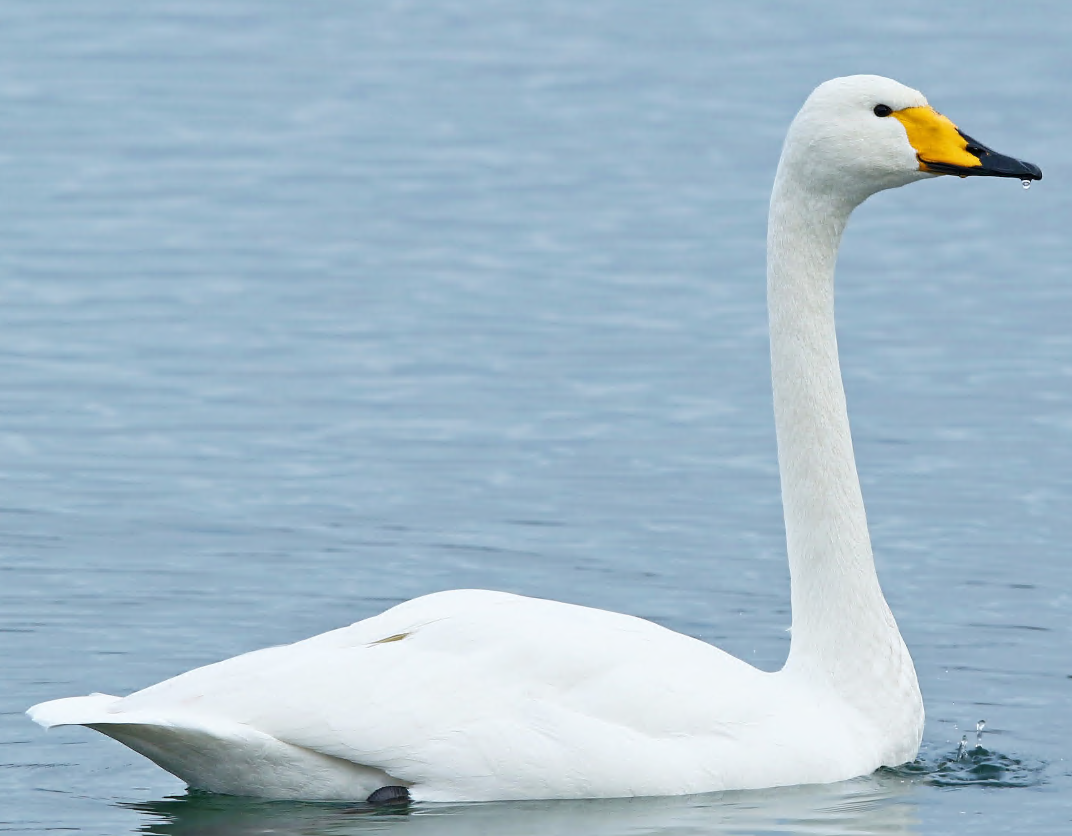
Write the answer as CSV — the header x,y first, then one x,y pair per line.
x,y
942,148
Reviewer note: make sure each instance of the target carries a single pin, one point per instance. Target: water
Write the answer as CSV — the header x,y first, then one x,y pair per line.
x,y
308,309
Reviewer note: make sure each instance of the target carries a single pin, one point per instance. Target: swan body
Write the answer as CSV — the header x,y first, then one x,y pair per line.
x,y
478,695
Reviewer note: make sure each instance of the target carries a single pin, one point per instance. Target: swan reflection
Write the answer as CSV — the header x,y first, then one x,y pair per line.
x,y
877,804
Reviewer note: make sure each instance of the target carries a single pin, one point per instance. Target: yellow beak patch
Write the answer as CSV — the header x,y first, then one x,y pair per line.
x,y
935,138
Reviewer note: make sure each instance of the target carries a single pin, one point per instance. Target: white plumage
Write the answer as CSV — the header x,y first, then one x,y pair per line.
x,y
487,696
478,695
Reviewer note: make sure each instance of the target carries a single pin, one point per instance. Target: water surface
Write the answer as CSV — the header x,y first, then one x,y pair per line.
x,y
309,309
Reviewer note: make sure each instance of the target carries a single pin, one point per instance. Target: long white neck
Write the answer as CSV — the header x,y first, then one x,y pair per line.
x,y
841,622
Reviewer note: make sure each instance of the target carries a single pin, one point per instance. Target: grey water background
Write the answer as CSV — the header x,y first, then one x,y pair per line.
x,y
306,309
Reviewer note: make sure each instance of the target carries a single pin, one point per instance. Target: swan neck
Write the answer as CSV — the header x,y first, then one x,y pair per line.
x,y
839,612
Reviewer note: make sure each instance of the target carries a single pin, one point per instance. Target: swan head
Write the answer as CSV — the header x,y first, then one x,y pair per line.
x,y
861,134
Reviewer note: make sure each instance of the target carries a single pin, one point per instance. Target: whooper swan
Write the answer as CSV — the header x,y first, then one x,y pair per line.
x,y
477,695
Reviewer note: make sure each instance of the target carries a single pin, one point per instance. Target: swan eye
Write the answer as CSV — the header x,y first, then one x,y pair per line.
x,y
883,110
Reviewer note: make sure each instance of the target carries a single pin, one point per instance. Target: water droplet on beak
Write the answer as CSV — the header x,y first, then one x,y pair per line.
x,y
1026,184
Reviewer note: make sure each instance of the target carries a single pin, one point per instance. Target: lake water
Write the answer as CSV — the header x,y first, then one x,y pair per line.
x,y
307,309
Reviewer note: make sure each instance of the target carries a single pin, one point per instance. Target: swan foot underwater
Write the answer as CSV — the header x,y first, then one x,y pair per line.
x,y
472,695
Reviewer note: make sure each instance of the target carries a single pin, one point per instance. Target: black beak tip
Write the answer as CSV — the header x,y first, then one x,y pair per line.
x,y
998,165
993,164
1033,171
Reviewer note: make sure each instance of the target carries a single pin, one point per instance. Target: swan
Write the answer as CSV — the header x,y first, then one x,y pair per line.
x,y
474,695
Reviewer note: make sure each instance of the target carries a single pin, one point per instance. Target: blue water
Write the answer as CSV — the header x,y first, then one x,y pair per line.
x,y
306,309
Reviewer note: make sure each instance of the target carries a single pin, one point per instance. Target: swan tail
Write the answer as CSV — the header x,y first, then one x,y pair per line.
x,y
218,754
73,711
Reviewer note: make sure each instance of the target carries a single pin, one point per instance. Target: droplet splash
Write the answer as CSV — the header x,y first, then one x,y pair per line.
x,y
1026,184
979,733
971,766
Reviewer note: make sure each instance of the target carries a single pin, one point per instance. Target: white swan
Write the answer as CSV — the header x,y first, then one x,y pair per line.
x,y
476,695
